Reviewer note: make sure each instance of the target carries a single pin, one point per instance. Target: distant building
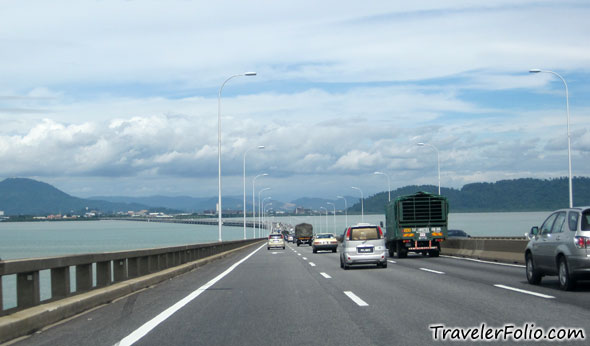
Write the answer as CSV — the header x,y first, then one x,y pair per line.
x,y
1,213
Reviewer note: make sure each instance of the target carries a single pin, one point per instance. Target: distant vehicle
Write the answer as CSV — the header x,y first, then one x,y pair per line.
x,y
285,234
560,247
416,223
363,244
275,240
290,238
457,233
303,233
324,241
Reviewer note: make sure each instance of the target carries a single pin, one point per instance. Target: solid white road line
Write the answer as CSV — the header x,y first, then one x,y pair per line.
x,y
525,291
154,322
431,271
487,262
355,298
326,275
312,264
390,261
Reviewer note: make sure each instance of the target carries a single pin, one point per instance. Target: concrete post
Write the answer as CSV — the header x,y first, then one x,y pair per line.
x,y
60,282
133,267
103,273
144,265
83,277
120,270
1,306
27,289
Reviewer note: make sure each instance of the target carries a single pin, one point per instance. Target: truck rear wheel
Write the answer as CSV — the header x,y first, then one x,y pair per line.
x,y
401,251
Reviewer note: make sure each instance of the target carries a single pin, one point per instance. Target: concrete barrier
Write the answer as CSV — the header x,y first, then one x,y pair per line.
x,y
22,321
508,250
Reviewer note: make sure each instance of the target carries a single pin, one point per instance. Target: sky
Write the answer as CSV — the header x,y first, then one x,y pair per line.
x,y
120,98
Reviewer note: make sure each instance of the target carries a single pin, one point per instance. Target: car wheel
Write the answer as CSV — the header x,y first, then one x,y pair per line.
x,y
434,253
566,282
384,265
298,244
533,276
315,250
283,248
333,250
390,250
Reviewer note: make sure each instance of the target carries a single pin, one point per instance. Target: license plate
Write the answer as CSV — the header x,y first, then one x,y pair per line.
x,y
424,230
422,235
365,250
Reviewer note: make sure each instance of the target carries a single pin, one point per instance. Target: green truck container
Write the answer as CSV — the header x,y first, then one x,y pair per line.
x,y
416,223
303,233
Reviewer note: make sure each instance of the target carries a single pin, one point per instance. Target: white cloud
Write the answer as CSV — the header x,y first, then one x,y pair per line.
x,y
129,93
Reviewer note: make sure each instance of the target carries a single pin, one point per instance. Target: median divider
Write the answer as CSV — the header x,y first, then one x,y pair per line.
x,y
22,321
498,249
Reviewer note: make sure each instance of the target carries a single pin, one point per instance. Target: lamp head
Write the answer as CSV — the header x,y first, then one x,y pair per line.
x,y
250,74
420,144
534,70
261,147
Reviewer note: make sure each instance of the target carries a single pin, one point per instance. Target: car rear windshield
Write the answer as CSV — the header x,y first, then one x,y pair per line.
x,y
586,221
324,236
275,236
365,233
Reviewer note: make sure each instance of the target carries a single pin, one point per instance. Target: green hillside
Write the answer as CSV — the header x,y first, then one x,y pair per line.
x,y
503,196
19,196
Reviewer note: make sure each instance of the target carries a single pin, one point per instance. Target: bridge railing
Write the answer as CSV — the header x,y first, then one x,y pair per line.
x,y
97,270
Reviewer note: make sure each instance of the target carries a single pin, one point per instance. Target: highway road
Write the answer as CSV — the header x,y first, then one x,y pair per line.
x,y
294,297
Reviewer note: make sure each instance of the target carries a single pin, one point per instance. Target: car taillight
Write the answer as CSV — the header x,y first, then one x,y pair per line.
x,y
582,242
380,232
348,234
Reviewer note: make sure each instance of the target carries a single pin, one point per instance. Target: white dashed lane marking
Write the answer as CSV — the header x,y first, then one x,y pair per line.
x,y
525,291
355,298
431,271
326,275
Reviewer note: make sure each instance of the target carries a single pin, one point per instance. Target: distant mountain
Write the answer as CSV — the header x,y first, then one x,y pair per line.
x,y
193,204
525,194
316,203
19,196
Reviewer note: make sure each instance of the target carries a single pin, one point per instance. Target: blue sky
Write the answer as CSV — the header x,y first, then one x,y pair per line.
x,y
120,97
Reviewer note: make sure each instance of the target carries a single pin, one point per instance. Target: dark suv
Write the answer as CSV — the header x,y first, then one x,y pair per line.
x,y
561,246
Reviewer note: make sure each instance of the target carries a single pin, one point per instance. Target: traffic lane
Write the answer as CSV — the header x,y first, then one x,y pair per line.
x,y
108,324
425,298
275,297
513,276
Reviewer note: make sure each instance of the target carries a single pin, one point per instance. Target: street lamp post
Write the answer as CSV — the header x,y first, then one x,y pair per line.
x,y
254,203
333,206
569,145
260,210
362,204
326,217
437,160
259,147
388,185
264,206
345,210
220,209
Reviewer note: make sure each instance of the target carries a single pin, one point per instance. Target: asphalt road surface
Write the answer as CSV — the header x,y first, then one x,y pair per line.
x,y
294,297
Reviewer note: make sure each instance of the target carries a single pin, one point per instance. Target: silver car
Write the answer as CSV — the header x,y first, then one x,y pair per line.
x,y
361,245
560,247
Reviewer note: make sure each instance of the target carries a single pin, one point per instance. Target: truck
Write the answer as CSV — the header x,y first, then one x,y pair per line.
x,y
416,223
303,233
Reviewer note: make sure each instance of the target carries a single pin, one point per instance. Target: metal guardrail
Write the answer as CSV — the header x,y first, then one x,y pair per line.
x,y
98,270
